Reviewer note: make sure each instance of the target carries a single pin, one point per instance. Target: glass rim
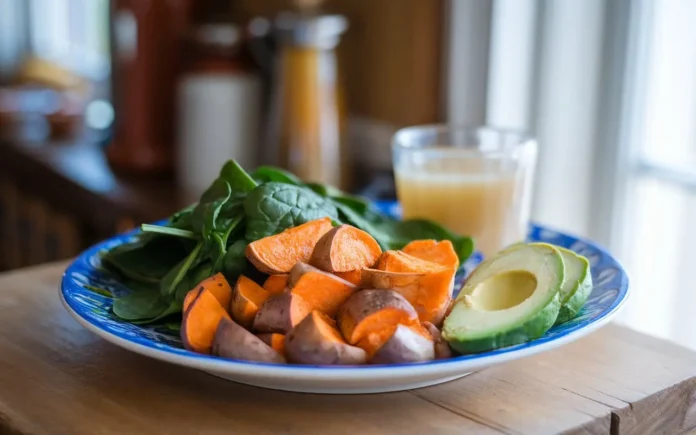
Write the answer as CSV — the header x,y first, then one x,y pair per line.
x,y
522,140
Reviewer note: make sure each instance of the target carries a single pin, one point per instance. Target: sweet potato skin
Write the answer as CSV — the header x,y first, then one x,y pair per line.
x,y
234,342
305,344
280,313
274,340
287,248
328,255
430,293
405,346
442,349
320,290
364,304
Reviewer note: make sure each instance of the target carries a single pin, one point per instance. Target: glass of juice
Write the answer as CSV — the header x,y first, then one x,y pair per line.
x,y
476,181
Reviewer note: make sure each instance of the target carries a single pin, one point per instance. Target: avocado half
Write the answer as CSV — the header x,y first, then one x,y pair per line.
x,y
511,298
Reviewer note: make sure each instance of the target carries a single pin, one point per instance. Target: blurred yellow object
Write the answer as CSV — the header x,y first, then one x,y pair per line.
x,y
47,73
308,117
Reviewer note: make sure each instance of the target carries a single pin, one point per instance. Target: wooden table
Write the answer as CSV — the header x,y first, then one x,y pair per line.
x,y
57,378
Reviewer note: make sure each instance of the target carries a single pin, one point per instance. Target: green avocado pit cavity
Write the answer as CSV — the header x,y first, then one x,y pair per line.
x,y
511,298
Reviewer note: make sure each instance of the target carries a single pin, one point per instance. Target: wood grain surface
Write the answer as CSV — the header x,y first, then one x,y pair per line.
x,y
57,378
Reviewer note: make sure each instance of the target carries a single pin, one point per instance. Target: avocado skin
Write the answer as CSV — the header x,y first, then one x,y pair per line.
x,y
530,330
571,308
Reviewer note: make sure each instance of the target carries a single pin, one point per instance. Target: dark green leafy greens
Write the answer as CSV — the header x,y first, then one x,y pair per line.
x,y
264,174
164,262
273,207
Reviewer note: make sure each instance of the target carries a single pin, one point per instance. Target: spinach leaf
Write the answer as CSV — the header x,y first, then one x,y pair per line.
x,y
216,250
193,278
145,260
358,204
350,216
168,231
325,189
165,306
229,212
182,218
264,174
205,215
172,279
223,198
355,202
401,233
235,262
239,180
273,207
217,244
140,305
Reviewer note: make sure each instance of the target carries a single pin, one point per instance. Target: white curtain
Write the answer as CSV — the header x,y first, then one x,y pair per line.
x,y
609,89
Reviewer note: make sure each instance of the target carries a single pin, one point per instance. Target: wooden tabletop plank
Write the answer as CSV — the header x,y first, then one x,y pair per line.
x,y
56,377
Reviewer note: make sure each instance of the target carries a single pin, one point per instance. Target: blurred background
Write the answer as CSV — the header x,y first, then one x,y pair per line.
x,y
114,113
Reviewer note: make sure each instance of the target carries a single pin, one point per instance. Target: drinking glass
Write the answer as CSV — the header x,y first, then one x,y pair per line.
x,y
474,180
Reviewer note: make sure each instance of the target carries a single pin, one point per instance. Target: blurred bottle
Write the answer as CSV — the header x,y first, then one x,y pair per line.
x,y
146,37
219,101
306,119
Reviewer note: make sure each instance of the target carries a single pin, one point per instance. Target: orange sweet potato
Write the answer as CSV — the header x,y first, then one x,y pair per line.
x,y
276,341
217,285
345,248
201,321
441,252
320,290
428,292
247,297
369,316
317,341
352,277
234,342
280,313
277,254
398,261
275,284
190,297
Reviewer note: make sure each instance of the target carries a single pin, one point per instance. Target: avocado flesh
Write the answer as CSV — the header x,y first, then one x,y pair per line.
x,y
577,287
511,298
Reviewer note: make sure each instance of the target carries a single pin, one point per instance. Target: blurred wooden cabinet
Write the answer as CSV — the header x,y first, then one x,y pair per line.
x,y
58,199
390,57
32,231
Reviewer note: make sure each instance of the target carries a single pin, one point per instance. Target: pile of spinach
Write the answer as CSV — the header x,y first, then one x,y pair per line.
x,y
164,262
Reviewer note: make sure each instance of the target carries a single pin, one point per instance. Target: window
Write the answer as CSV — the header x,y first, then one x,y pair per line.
x,y
612,101
659,216
73,33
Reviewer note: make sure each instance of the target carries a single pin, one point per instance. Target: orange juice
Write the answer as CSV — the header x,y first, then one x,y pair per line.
x,y
479,198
